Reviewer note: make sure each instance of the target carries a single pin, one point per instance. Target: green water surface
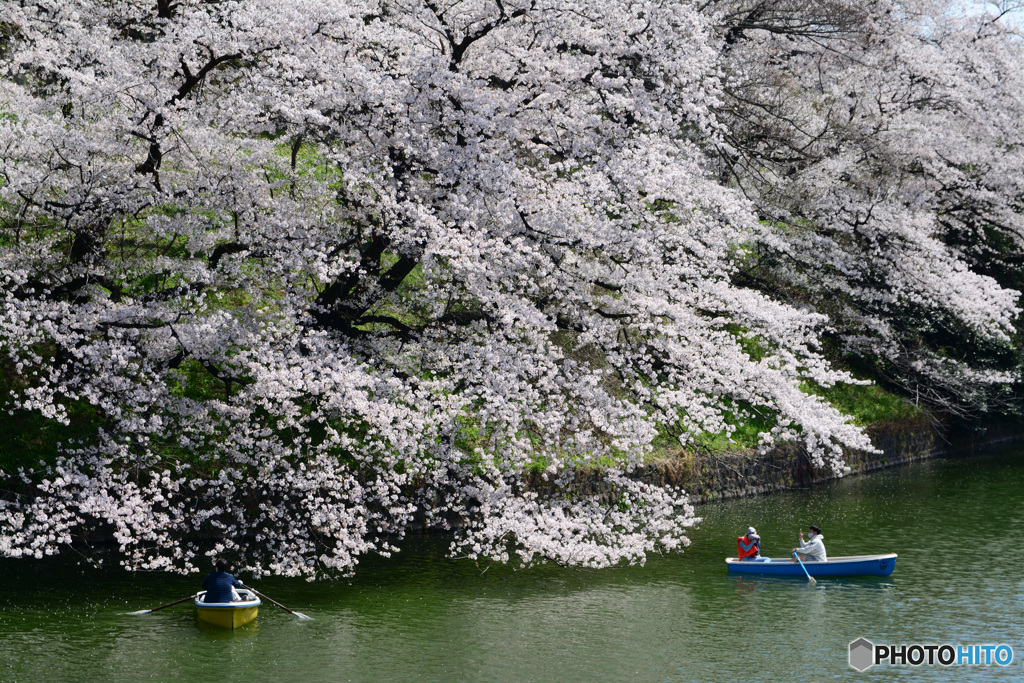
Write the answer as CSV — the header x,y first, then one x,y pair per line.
x,y
957,524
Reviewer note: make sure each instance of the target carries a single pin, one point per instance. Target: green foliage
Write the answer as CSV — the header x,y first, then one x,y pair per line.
x,y
752,346
868,405
192,380
27,438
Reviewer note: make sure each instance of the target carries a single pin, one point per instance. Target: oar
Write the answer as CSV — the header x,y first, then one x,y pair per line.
x,y
300,615
170,604
809,577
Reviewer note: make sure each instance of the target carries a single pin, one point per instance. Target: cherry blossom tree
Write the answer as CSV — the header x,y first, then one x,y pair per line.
x,y
881,145
321,271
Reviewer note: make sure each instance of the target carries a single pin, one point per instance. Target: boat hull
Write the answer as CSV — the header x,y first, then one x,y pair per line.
x,y
228,614
855,565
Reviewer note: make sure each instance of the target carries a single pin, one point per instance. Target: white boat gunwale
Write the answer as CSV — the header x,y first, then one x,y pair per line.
x,y
832,560
249,599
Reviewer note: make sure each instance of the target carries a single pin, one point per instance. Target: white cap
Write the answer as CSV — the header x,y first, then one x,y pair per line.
x,y
751,531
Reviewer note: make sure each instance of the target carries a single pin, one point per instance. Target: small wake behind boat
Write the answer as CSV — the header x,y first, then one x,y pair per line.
x,y
851,565
228,614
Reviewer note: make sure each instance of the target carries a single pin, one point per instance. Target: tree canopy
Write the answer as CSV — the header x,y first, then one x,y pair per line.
x,y
306,273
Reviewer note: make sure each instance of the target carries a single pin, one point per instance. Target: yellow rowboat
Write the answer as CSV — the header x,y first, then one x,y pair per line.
x,y
228,614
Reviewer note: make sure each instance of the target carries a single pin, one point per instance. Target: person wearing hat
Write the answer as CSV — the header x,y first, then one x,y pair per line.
x,y
813,549
749,547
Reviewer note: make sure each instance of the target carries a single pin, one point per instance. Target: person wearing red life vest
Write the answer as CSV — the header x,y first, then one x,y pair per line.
x,y
749,547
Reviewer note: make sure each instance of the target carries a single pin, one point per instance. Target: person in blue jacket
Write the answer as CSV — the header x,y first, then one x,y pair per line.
x,y
220,586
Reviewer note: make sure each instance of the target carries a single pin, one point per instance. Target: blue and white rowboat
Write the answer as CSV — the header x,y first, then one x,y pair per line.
x,y
851,565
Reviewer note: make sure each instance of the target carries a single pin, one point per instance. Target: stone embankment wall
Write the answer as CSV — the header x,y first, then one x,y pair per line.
x,y
718,476
708,477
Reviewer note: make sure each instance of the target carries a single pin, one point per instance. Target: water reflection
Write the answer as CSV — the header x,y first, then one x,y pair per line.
x,y
749,583
211,632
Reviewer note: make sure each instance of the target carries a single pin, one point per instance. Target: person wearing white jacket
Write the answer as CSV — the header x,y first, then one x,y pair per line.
x,y
813,549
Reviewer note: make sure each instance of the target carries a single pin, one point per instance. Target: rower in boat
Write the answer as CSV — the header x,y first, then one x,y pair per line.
x,y
220,604
813,549
220,585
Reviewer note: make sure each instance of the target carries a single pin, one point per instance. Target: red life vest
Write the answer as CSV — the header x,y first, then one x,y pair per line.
x,y
746,553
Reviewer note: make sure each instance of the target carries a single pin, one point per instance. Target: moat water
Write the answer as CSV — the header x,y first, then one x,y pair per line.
x,y
957,524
